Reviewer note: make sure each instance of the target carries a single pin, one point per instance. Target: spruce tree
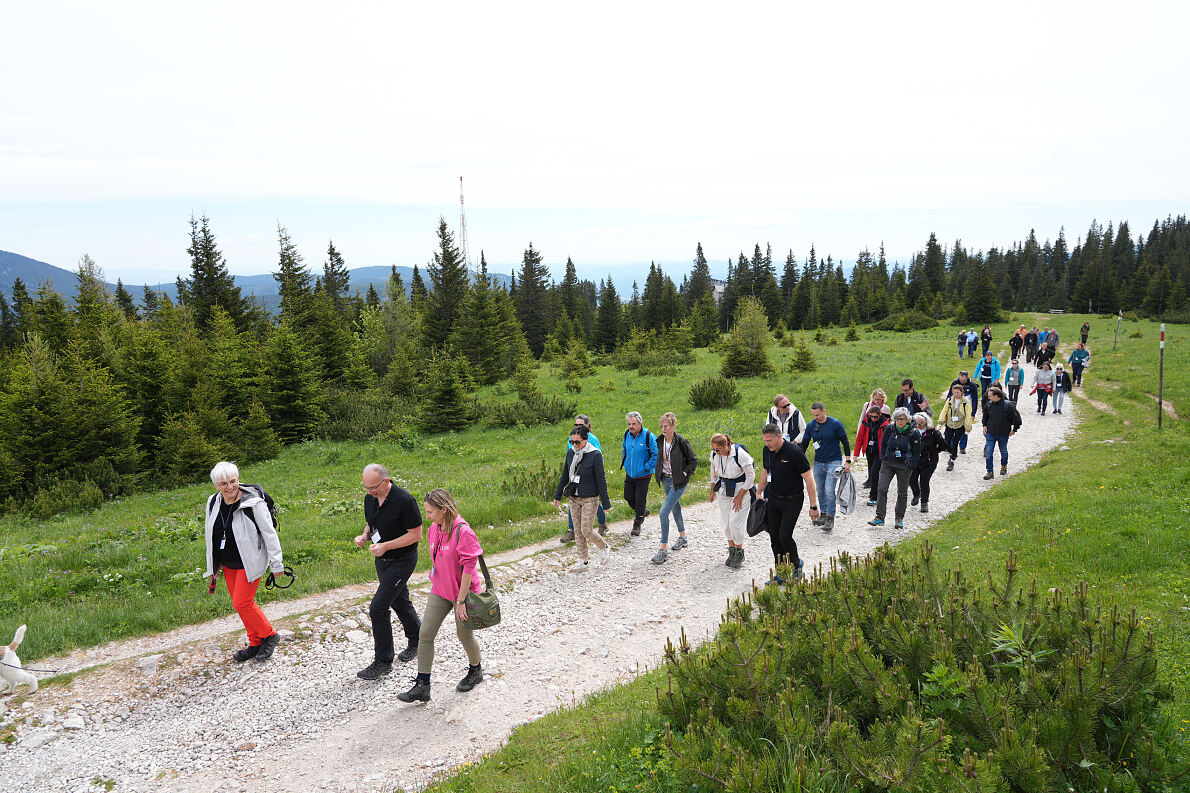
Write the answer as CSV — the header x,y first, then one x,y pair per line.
x,y
229,365
704,321
934,267
801,315
9,338
50,319
93,310
184,452
788,284
473,334
255,438
328,338
150,304
336,278
803,357
745,353
293,280
607,318
124,301
568,291
448,287
981,303
396,285
700,282
417,291
447,404
210,282
22,308
531,303
291,389
373,297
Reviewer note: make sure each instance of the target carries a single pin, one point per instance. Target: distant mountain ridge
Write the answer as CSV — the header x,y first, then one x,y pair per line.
x,y
264,287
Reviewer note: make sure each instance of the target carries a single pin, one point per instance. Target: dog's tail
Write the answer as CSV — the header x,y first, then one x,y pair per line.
x,y
17,639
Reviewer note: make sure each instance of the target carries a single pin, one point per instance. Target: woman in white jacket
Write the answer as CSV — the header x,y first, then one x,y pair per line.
x,y
241,540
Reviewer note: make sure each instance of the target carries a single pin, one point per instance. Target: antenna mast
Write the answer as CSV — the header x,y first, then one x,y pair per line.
x,y
463,227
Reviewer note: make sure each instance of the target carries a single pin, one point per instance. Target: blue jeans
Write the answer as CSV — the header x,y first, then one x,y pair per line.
x,y
600,518
989,449
824,481
1059,397
672,503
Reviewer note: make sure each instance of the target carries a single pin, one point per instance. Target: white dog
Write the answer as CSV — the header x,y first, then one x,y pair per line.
x,y
10,665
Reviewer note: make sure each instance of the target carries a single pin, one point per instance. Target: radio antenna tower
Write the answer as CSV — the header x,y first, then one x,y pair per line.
x,y
463,227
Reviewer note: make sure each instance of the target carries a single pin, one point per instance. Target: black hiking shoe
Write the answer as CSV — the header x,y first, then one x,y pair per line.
x,y
375,670
243,654
420,692
473,678
267,645
408,654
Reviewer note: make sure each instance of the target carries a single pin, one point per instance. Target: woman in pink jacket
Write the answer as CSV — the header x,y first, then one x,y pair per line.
x,y
455,551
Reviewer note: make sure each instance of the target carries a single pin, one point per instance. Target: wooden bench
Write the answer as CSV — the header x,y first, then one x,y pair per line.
x,y
1057,311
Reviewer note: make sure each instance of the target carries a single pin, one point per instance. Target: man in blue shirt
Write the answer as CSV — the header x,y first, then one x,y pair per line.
x,y
829,438
583,420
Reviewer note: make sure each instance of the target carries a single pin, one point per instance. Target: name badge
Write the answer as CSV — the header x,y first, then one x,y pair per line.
x,y
223,542
956,416
898,452
871,443
816,445
375,536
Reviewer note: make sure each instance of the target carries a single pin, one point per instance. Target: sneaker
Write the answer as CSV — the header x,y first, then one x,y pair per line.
x,y
925,507
962,451
876,522
408,654
267,645
738,562
605,555
578,567
602,529
797,573
375,670
730,556
989,475
871,502
916,499
680,544
660,556
900,524
950,465
567,537
245,653
1004,470
828,522
420,692
473,678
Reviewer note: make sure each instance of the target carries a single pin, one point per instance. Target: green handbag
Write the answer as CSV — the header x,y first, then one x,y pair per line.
x,y
483,609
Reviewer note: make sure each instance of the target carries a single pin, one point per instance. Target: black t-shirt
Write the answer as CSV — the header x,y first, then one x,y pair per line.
x,y
398,514
785,467
229,553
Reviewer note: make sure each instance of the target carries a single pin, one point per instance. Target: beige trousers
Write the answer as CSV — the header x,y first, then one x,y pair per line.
x,y
582,511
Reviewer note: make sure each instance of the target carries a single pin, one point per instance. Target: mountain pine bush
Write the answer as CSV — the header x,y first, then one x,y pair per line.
x,y
714,393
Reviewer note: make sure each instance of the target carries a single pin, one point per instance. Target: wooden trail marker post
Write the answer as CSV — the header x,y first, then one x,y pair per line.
x,y
1161,379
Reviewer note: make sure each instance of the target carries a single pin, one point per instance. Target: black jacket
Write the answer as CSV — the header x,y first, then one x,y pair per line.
x,y
683,463
1030,339
591,479
1043,355
908,443
1062,380
914,402
932,444
1001,418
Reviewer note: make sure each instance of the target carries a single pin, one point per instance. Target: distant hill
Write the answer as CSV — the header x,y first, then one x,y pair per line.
x,y
263,287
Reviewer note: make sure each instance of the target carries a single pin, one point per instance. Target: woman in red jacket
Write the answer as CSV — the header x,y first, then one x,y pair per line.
x,y
455,550
868,439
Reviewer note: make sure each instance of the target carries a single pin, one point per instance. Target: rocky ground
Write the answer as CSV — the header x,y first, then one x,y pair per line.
x,y
185,718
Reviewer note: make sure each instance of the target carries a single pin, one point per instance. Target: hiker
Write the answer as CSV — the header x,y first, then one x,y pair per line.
x,y
962,343
868,439
600,517
788,418
985,337
829,437
1017,341
677,464
1084,332
1031,345
957,413
899,450
932,446
1062,386
455,550
639,461
1014,378
1045,354
1001,420
878,398
1043,385
911,400
584,484
733,475
392,530
986,371
972,340
1078,360
784,479
241,541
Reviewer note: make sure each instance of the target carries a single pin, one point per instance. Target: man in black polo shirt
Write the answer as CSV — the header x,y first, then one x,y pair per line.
x,y
786,472
392,530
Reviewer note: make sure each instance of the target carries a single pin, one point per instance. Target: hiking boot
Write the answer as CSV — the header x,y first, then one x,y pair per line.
x,y
267,645
243,654
876,522
474,677
871,502
1004,470
900,524
420,692
660,556
375,670
602,529
913,503
989,475
730,556
797,572
925,507
828,522
567,537
680,544
950,465
867,483
962,451
636,526
738,561
408,654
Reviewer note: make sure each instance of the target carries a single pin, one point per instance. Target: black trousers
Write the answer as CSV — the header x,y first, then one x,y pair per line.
x,y
873,472
779,518
919,482
889,472
636,493
953,437
393,593
1013,392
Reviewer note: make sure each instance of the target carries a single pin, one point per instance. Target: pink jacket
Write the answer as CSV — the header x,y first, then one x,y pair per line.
x,y
448,555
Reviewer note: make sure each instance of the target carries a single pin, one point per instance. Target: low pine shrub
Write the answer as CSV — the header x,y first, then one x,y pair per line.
x,y
68,495
852,335
538,480
803,358
905,321
1136,334
714,393
536,409
887,674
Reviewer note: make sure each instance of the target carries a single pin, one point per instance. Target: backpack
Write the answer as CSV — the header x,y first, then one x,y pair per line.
x,y
264,495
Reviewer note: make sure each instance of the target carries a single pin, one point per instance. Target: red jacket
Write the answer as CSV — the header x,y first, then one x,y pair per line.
x,y
866,429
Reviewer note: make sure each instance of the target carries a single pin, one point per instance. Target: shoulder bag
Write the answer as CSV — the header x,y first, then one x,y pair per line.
x,y
483,608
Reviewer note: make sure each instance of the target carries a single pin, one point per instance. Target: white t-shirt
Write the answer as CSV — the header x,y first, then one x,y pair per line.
x,y
726,467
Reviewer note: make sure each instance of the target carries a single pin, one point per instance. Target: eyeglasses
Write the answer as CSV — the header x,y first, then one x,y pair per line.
x,y
370,488
787,404
228,483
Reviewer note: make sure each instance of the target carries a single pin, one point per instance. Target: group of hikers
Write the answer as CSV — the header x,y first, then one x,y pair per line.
x,y
904,441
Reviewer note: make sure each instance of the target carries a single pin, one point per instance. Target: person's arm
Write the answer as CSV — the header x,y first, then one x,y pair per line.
x,y
762,482
412,536
272,543
565,476
811,490
804,443
689,460
651,463
601,484
846,447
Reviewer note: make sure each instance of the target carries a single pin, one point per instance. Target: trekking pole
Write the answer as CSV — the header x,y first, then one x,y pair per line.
x,y
1161,378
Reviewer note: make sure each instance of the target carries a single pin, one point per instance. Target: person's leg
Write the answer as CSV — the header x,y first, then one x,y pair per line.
x,y
913,483
437,607
1059,398
578,508
923,481
1003,441
951,436
902,491
739,523
873,474
667,484
820,486
886,475
585,525
1043,398
378,610
989,447
788,517
600,515
243,600
960,352
679,519
402,605
640,496
772,524
467,639
826,496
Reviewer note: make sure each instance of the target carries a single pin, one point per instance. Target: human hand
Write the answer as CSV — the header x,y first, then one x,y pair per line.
x,y
460,611
737,503
361,541
557,505
1012,433
377,550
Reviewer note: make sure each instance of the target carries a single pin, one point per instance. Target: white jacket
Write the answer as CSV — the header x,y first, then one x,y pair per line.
x,y
259,546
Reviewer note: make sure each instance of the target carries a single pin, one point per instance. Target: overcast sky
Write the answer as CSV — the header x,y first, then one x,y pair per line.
x,y
614,133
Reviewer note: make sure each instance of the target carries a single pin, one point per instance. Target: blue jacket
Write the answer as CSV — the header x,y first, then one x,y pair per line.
x,y
640,454
993,368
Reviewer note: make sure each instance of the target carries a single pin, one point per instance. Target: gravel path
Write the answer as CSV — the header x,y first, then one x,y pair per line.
x,y
186,719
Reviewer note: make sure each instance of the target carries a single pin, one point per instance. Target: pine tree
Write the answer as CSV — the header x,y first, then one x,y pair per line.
x,y
22,308
448,287
229,366
788,284
144,369
530,299
801,315
50,320
291,390
700,282
93,310
9,337
124,301
210,282
328,338
607,317
981,303
293,280
704,321
568,291
184,452
373,298
447,405
417,291
803,357
473,334
336,278
745,352
255,437
150,304
396,285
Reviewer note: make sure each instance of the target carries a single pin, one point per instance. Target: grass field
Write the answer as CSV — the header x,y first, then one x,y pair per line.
x,y
1112,514
132,567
